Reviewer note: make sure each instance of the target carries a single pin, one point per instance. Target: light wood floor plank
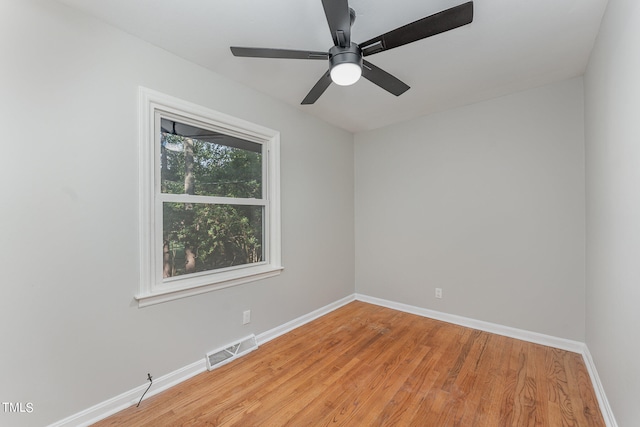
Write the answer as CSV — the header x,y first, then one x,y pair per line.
x,y
365,365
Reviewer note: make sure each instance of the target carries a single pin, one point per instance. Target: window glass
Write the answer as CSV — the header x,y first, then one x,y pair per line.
x,y
201,236
207,163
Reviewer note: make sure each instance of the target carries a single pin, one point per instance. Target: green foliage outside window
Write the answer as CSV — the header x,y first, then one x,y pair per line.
x,y
206,236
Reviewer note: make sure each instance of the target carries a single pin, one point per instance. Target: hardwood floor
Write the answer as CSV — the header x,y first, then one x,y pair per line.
x,y
365,365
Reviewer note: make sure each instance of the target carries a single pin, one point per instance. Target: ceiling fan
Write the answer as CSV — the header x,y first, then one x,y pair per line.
x,y
346,63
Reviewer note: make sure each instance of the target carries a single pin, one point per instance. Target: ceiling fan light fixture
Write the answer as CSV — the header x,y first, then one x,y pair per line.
x,y
346,73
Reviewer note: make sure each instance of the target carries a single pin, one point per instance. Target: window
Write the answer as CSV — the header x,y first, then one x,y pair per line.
x,y
210,209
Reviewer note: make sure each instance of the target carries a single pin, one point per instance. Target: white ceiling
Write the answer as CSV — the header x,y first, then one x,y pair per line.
x,y
512,45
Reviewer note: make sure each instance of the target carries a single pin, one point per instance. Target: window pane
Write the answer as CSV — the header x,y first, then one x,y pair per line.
x,y
202,237
207,163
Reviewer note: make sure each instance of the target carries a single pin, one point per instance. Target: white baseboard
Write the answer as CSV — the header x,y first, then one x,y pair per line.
x,y
295,323
494,328
131,397
123,401
605,408
534,337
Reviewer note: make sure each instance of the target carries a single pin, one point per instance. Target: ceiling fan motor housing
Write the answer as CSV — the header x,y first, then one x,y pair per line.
x,y
340,55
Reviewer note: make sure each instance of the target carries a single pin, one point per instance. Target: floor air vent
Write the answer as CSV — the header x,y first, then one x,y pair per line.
x,y
231,352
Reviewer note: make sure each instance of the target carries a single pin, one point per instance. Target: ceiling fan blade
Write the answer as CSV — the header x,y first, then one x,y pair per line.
x,y
339,20
383,79
426,27
263,52
318,89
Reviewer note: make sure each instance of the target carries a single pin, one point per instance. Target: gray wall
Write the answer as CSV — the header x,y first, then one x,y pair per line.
x,y
72,335
484,201
612,93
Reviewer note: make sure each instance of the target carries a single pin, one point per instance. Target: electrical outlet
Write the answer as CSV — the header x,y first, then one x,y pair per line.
x,y
246,317
438,292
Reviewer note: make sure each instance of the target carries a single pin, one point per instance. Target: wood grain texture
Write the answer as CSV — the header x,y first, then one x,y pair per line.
x,y
365,365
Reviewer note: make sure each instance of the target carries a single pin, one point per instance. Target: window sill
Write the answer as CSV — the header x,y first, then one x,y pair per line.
x,y
164,293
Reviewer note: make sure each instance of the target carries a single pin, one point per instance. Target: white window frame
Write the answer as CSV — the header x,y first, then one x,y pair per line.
x,y
153,287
